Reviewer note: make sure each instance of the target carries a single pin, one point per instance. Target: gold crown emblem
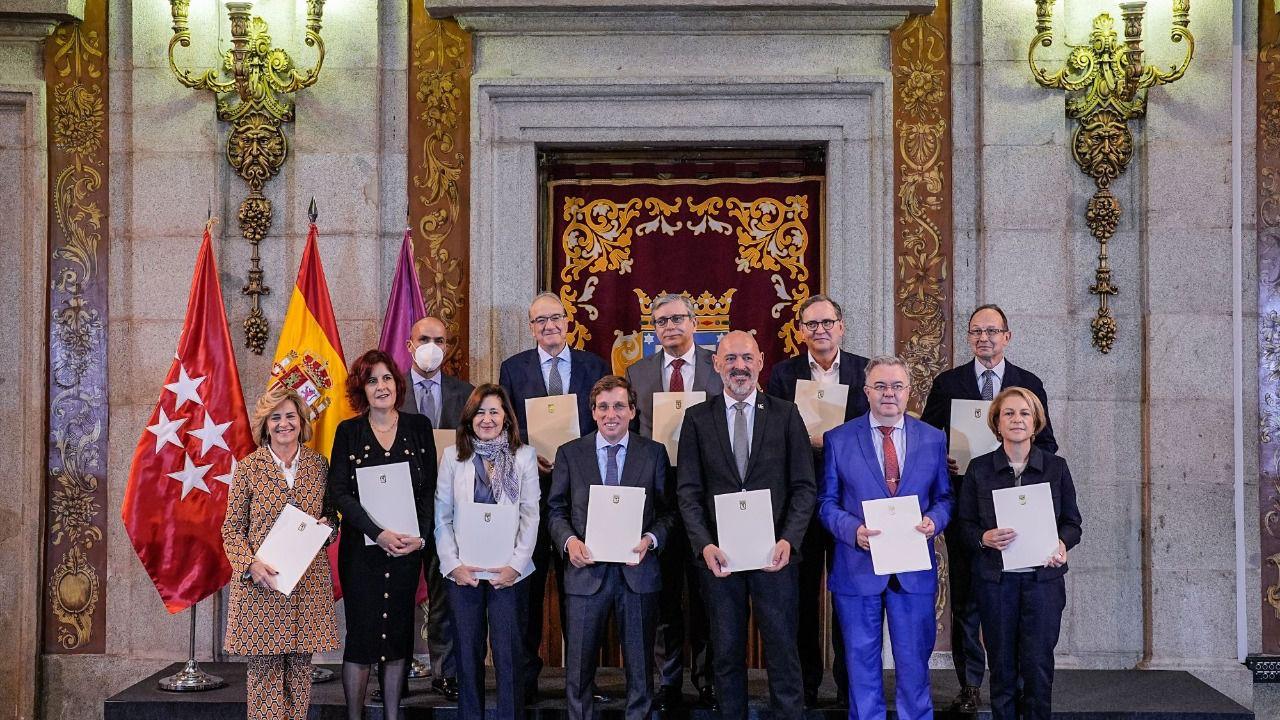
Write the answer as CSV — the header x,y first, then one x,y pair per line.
x,y
309,377
712,312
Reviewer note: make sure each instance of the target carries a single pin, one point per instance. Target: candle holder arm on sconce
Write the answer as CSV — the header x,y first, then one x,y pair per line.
x,y
253,88
1106,85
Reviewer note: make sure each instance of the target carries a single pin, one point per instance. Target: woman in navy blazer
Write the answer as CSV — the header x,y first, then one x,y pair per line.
x,y
1021,609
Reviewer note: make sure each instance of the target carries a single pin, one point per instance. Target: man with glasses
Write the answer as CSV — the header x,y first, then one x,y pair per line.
x,y
678,367
880,455
979,379
440,397
611,456
822,327
551,368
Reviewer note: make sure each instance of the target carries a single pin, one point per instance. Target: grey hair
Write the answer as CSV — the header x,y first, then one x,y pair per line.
x,y
549,296
887,360
667,298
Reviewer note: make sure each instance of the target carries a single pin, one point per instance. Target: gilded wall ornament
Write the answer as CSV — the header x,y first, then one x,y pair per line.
x,y
1268,239
253,87
1106,84
438,142
76,446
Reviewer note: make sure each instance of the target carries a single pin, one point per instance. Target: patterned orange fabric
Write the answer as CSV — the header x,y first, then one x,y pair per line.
x,y
278,686
262,621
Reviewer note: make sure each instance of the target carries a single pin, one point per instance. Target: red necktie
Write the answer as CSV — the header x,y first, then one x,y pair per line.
x,y
891,472
676,384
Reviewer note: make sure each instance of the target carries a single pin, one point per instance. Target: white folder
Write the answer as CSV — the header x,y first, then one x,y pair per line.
x,y
486,534
614,522
668,417
744,524
444,440
552,421
386,493
970,435
1028,510
899,547
291,545
821,405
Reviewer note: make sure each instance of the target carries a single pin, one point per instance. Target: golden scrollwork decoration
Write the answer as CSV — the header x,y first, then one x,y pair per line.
x,y
1268,245
441,62
253,86
75,555
598,237
1106,84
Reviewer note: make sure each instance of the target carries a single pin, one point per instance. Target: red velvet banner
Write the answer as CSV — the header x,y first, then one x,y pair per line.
x,y
746,250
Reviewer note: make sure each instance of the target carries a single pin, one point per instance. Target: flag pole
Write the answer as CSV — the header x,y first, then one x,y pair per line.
x,y
191,678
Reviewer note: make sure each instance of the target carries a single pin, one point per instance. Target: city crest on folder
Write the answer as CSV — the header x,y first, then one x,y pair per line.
x,y
742,504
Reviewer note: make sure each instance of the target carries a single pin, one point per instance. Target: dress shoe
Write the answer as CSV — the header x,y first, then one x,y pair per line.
x,y
967,701
447,687
707,698
668,698
601,697
531,696
811,699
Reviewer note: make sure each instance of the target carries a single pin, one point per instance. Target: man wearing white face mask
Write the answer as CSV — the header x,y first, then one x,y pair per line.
x,y
440,397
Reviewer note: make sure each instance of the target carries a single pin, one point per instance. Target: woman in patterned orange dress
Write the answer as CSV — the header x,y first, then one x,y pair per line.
x,y
278,632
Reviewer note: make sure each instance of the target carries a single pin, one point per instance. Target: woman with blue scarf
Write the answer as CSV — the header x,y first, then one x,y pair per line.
x,y
487,506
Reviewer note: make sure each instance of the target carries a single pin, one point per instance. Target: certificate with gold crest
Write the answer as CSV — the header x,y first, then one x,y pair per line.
x,y
1028,511
386,493
553,421
899,547
615,515
744,529
970,434
486,535
668,417
291,545
821,405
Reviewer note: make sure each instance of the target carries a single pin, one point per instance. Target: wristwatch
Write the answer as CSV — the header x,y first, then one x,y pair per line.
x,y
246,576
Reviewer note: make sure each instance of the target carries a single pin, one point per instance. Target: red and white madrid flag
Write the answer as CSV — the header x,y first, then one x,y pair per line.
x,y
177,494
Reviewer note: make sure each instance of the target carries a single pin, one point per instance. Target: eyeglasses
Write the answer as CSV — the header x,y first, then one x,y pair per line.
x,y
883,388
616,407
812,325
542,320
986,332
671,320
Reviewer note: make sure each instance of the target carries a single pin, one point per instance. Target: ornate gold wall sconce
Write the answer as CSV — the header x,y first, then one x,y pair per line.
x,y
252,87
1106,86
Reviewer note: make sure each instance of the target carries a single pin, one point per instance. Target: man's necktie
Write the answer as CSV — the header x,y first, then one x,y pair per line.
x,y
987,375
611,466
741,440
891,472
677,378
430,406
555,384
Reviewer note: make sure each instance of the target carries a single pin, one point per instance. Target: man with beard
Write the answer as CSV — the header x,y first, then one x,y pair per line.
x,y
736,441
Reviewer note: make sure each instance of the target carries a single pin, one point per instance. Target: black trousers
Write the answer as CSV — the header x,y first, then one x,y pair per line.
x,y
678,573
439,618
1021,620
588,617
773,597
818,552
487,618
543,559
967,653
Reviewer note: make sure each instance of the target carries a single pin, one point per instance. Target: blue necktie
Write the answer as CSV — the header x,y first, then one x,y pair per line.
x,y
611,466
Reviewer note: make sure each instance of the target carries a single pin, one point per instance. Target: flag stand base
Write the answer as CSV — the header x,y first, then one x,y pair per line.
x,y
191,678
321,675
418,670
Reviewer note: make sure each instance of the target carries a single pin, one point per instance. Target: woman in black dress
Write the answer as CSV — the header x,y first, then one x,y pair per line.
x,y
379,581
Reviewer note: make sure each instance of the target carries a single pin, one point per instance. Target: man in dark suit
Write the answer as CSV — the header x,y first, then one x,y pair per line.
x,y
679,366
612,456
880,455
979,379
551,368
744,440
440,397
822,327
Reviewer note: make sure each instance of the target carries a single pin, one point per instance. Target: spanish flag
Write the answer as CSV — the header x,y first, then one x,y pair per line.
x,y
309,355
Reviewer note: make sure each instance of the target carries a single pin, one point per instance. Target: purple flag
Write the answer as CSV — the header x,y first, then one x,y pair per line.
x,y
404,307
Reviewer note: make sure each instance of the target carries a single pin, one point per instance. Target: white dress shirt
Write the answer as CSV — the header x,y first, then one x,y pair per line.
x,y
817,374
686,371
290,471
749,411
997,381
544,360
899,438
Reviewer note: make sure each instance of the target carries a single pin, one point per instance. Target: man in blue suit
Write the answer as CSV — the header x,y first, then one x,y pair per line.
x,y
551,368
879,455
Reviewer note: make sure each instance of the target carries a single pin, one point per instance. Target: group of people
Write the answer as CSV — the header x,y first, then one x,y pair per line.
x,y
740,439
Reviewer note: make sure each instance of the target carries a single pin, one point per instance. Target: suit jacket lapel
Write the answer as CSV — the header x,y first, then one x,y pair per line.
x,y
864,430
721,424
535,367
757,432
631,471
911,432
575,376
592,461
971,380
703,366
